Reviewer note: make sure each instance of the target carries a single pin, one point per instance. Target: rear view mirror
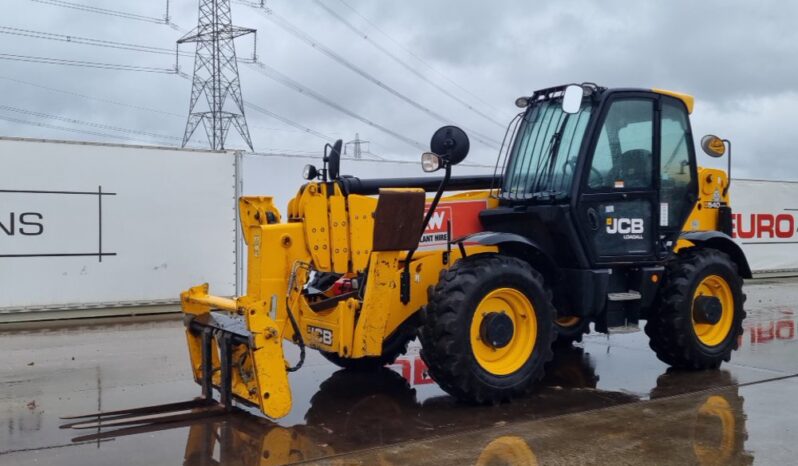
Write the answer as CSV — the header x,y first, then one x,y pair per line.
x,y
451,144
572,98
713,146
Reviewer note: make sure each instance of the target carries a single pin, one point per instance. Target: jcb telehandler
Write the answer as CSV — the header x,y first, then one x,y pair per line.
x,y
597,213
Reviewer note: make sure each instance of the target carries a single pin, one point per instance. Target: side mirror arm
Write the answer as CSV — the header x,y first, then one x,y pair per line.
x,y
405,278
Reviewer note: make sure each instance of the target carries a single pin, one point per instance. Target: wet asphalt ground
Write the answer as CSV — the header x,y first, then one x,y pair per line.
x,y
605,401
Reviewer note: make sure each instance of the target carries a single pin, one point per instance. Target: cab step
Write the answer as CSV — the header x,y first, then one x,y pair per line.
x,y
624,296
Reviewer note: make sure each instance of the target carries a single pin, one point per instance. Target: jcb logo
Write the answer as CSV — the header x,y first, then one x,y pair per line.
x,y
625,226
321,335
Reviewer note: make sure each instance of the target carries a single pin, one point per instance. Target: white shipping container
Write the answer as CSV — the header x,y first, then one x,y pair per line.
x,y
765,224
93,225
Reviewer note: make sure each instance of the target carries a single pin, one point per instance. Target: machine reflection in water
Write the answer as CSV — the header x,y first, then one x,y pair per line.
x,y
354,411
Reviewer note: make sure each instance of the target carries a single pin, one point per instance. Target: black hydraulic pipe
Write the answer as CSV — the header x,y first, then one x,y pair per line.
x,y
226,359
352,185
206,367
728,170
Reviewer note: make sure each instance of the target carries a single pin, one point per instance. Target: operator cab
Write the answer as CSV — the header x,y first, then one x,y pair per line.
x,y
620,165
596,185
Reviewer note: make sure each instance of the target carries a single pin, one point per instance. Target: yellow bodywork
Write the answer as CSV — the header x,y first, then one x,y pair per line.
x,y
689,101
327,232
334,233
712,193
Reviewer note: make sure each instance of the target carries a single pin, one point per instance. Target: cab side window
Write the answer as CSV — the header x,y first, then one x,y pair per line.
x,y
624,153
676,175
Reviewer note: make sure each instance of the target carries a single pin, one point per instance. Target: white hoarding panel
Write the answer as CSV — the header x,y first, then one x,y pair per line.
x,y
765,224
90,224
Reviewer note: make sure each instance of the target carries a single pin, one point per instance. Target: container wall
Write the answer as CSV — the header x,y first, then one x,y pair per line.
x,y
765,224
89,225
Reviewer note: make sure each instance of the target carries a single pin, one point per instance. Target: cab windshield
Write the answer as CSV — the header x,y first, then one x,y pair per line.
x,y
543,156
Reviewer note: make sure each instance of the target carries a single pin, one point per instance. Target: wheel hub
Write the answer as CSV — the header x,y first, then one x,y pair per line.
x,y
496,329
707,310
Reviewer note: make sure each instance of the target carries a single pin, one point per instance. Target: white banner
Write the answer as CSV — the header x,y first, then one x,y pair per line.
x,y
764,219
94,225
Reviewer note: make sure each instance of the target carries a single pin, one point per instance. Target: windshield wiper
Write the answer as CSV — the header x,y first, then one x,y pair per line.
x,y
547,163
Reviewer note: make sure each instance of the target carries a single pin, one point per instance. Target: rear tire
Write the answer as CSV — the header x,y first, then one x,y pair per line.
x,y
674,335
570,330
469,298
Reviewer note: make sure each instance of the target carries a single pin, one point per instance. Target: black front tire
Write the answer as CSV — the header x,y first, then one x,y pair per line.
x,y
446,332
671,329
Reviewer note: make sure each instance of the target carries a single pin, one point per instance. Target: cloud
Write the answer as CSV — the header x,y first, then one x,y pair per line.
x,y
733,56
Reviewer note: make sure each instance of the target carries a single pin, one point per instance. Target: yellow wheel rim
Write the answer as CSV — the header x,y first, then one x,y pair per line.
x,y
717,287
715,450
509,358
508,449
567,321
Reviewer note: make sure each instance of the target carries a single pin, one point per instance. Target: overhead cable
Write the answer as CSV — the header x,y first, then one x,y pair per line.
x,y
103,11
85,64
93,98
412,69
9,108
89,41
64,128
298,33
275,75
285,120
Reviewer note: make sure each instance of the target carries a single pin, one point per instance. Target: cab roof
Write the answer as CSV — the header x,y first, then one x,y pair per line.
x,y
689,101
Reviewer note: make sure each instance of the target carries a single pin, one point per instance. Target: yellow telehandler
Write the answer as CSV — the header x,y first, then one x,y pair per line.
x,y
597,213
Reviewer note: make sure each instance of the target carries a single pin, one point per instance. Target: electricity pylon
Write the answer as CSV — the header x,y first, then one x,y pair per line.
x,y
216,75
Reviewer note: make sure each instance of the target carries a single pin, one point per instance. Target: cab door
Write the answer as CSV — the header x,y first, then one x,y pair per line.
x,y
617,207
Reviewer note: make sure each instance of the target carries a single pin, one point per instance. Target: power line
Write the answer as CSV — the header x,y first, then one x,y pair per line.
x,y
298,33
106,11
296,155
137,47
406,65
84,64
89,41
297,127
86,123
285,120
64,128
275,75
88,97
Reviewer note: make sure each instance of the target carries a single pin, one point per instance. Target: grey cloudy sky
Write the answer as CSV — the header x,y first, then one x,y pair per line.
x,y
735,57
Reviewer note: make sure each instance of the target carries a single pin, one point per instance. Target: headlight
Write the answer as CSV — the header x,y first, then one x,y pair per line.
x,y
430,162
309,172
